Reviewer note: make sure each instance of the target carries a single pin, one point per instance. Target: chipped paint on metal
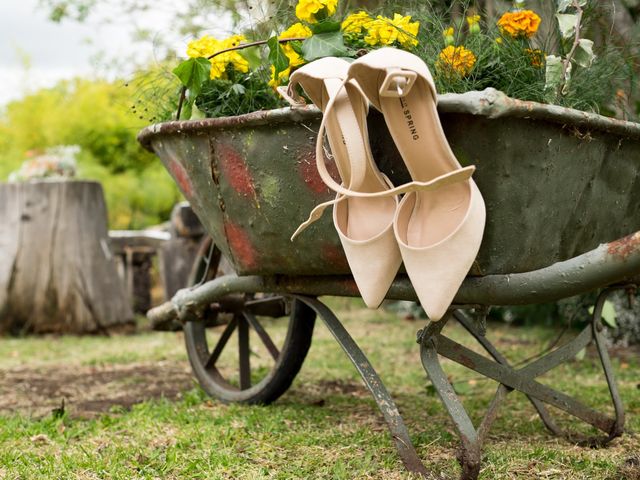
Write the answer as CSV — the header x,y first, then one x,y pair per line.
x,y
235,170
309,172
625,246
334,255
241,247
181,177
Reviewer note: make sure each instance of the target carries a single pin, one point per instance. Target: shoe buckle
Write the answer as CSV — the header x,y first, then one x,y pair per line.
x,y
398,83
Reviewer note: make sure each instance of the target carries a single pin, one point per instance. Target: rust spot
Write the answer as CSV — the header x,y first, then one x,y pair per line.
x,y
466,361
235,170
309,172
334,255
181,177
241,247
625,246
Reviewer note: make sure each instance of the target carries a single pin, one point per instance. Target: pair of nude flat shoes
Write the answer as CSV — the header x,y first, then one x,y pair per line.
x,y
436,229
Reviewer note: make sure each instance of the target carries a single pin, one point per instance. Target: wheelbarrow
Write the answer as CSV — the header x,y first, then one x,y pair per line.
x,y
562,190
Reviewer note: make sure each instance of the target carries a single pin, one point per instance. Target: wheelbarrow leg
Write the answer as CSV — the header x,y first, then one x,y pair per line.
x,y
592,333
502,390
433,344
470,449
373,382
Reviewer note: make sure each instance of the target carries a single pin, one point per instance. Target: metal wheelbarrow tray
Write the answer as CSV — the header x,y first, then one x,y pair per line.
x,y
562,190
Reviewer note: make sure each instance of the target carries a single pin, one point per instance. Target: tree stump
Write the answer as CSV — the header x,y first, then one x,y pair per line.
x,y
57,273
178,254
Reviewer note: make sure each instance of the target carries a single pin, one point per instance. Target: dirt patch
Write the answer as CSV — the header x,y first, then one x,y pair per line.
x,y
88,391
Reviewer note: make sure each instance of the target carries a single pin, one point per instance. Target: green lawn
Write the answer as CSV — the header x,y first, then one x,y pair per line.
x,y
133,411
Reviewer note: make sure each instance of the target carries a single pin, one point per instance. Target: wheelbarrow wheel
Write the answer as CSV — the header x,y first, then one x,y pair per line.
x,y
239,350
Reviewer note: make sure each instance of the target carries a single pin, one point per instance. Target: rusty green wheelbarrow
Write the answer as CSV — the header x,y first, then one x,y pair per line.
x,y
562,190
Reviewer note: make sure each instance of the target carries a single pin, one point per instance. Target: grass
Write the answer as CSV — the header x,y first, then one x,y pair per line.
x,y
326,426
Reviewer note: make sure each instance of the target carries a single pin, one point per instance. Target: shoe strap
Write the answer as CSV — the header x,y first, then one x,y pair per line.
x,y
450,178
354,170
357,154
291,96
455,176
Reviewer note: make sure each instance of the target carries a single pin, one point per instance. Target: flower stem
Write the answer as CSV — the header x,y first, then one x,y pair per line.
x,y
576,42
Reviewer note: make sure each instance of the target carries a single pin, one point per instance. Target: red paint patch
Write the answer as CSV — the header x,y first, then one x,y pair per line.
x,y
334,255
181,177
625,246
235,170
241,246
309,172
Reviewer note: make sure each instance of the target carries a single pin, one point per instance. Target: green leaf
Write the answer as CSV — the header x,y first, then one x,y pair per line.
x,y
187,109
297,47
329,44
325,26
277,56
193,73
564,4
609,314
584,55
553,77
567,23
238,89
196,113
253,56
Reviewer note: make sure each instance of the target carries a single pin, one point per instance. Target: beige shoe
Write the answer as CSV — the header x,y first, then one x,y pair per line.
x,y
364,225
439,230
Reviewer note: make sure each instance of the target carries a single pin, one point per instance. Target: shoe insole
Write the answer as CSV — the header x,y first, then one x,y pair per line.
x,y
414,124
362,218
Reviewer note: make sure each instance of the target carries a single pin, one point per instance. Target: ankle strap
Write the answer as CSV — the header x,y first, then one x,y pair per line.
x,y
358,166
450,178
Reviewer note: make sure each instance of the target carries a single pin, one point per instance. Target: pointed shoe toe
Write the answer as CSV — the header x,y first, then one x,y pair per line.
x,y
437,269
374,261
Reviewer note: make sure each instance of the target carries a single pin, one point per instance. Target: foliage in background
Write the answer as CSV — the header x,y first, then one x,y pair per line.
x,y
613,25
54,162
97,117
465,50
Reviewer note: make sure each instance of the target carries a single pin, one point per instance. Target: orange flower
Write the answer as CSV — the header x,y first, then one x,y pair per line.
x,y
518,24
456,61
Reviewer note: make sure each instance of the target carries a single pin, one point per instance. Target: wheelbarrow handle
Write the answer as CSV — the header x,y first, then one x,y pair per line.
x,y
607,264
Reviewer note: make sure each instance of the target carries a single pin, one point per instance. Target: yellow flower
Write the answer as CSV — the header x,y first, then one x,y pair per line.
x,y
308,9
473,20
498,40
203,47
456,61
474,23
381,32
283,77
519,24
385,31
407,30
536,56
207,46
356,22
448,36
297,30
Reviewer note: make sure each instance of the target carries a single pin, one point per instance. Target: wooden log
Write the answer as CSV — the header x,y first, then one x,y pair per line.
x,y
57,273
178,254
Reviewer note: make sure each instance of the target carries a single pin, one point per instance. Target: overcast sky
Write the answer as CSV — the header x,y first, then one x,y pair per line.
x,y
57,51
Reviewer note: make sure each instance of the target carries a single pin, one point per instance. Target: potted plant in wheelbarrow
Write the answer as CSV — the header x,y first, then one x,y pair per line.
x,y
560,182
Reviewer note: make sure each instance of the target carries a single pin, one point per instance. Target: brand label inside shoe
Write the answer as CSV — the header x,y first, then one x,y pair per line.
x,y
407,116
